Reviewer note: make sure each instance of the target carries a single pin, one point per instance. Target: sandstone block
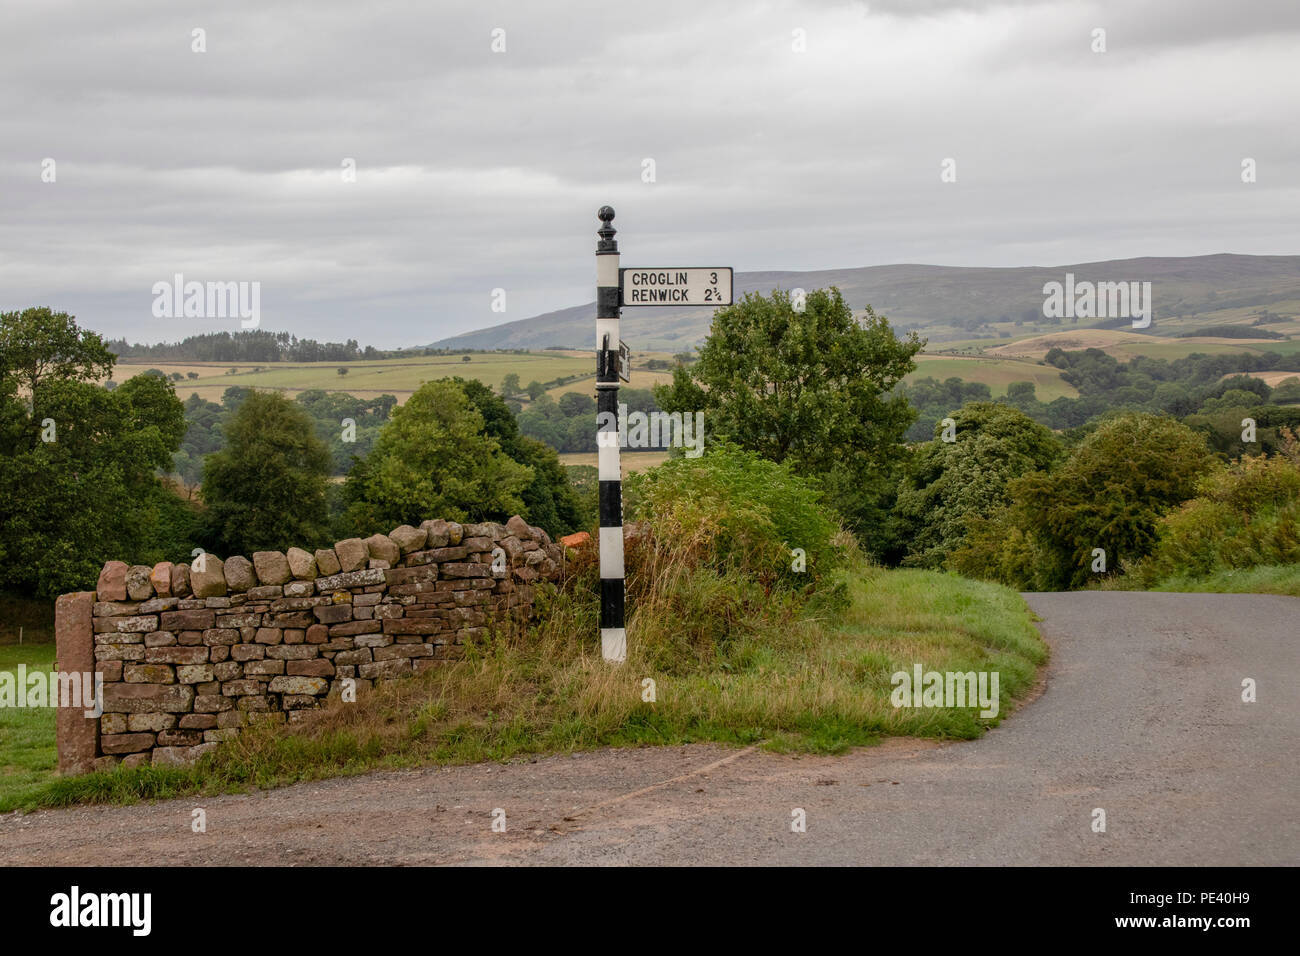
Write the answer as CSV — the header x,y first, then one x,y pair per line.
x,y
333,614
302,565
383,548
147,698
211,703
264,667
352,554
188,620
126,625
178,654
149,674
208,576
272,567
310,668
112,724
299,685
327,562
138,585
385,669
180,580
407,538
111,585
194,673
160,578
240,574
125,743
436,534
151,723
269,635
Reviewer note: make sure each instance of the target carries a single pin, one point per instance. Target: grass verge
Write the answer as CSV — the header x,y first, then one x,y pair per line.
x,y
809,677
1266,579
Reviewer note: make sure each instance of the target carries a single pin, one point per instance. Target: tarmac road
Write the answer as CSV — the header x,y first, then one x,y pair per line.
x,y
1141,716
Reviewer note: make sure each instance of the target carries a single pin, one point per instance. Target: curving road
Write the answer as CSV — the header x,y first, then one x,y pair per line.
x,y
1141,716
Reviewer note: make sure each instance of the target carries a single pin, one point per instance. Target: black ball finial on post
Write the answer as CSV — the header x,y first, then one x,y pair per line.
x,y
606,231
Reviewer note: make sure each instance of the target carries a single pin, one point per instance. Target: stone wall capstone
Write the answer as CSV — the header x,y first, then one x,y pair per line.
x,y
189,653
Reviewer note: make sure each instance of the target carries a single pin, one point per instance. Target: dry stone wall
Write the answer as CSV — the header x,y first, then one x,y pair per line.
x,y
189,653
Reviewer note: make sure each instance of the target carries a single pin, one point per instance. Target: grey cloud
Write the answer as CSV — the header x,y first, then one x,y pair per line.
x,y
479,171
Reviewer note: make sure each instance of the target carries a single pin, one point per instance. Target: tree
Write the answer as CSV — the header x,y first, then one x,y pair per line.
x,y
464,358
433,459
1110,493
191,375
39,344
535,390
811,386
343,370
266,489
77,469
949,485
510,384
550,500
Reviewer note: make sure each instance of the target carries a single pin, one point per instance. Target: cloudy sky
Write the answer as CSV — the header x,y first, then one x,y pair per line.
x,y
784,135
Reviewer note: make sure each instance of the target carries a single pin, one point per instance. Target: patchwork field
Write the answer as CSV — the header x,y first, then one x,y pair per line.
x,y
629,460
1125,345
399,377
996,373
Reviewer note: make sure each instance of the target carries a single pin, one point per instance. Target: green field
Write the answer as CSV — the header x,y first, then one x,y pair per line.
x,y
398,377
365,379
996,373
28,756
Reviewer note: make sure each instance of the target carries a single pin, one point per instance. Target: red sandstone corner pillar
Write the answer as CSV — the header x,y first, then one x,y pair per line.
x,y
74,641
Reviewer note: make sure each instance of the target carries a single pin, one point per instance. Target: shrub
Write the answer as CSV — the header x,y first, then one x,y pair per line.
x,y
1245,515
731,510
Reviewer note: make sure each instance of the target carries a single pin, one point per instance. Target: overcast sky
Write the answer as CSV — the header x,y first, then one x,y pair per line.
x,y
478,170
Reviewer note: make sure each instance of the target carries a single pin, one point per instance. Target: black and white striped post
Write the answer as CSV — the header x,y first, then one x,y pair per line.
x,y
613,636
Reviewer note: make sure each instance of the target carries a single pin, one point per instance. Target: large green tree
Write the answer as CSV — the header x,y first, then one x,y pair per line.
x,y
78,462
435,459
550,500
266,489
38,345
813,386
950,484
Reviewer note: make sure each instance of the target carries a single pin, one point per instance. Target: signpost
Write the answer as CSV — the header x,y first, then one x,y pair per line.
x,y
675,286
615,288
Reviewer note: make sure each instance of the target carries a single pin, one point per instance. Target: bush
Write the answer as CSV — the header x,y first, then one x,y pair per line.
x,y
732,511
1245,515
947,485
1110,493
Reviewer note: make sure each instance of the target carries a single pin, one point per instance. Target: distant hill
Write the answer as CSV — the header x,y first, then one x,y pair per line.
x,y
947,303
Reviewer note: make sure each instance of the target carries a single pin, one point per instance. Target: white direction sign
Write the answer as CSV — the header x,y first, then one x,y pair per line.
x,y
675,286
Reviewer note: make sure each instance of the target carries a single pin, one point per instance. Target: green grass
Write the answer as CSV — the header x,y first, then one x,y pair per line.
x,y
805,680
28,757
1267,579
